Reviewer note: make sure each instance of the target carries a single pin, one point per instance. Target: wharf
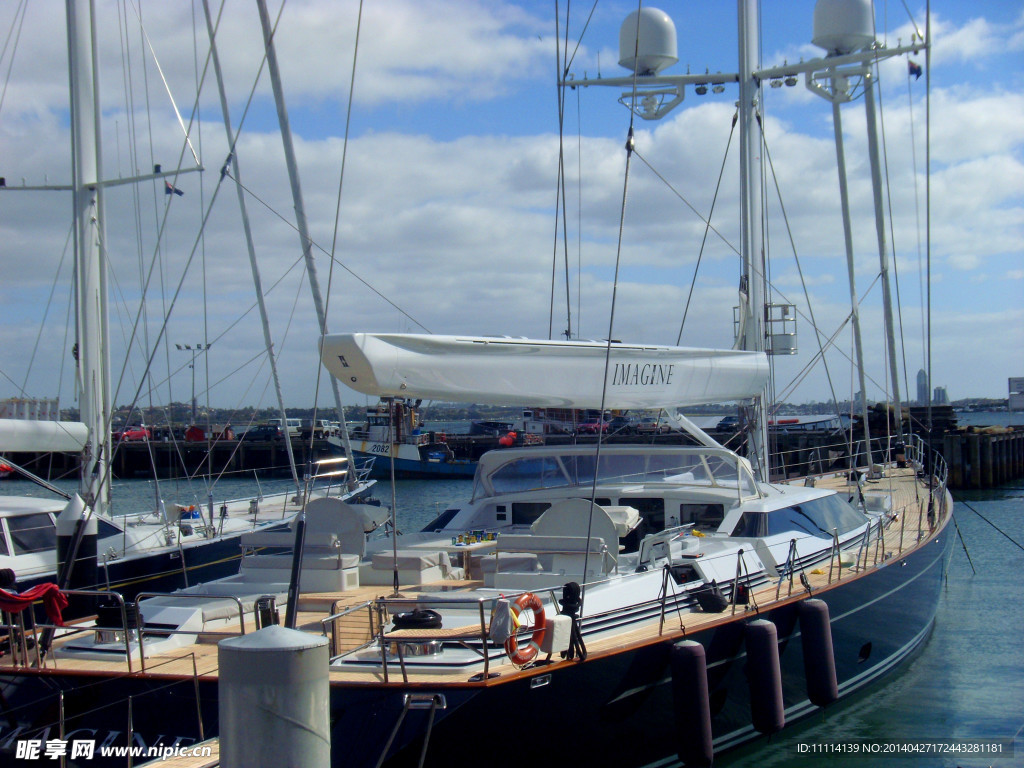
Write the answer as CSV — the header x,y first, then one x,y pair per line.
x,y
985,457
977,457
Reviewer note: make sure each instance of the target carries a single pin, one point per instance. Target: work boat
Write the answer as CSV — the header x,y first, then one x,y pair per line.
x,y
652,604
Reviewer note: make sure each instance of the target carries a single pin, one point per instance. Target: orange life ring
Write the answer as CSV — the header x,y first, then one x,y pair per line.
x,y
523,656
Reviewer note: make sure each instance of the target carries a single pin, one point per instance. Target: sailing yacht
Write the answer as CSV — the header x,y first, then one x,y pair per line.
x,y
78,541
649,604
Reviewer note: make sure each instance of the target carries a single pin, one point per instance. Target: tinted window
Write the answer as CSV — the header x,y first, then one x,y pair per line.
x,y
439,522
818,517
652,510
105,529
751,524
527,512
528,473
32,533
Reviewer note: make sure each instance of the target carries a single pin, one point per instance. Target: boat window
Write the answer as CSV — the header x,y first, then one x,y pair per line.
x,y
32,533
727,473
4,551
526,512
439,522
105,529
702,515
579,468
615,468
681,467
527,474
818,517
628,468
751,524
652,510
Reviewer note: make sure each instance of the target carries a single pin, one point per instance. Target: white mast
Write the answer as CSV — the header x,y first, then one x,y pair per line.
x,y
883,253
300,218
257,280
93,359
752,288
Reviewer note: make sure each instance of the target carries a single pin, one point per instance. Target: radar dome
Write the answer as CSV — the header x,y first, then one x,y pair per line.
x,y
843,26
647,41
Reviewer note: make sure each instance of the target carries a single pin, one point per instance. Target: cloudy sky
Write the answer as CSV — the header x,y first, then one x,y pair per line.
x,y
447,215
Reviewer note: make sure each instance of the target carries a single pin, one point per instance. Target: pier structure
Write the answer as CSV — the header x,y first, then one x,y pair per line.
x,y
977,457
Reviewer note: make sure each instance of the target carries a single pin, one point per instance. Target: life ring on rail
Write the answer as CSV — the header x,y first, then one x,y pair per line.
x,y
523,656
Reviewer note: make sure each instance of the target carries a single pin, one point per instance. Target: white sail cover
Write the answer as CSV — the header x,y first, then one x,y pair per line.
x,y
518,371
42,436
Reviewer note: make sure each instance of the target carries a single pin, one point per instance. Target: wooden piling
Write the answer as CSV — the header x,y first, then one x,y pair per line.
x,y
954,456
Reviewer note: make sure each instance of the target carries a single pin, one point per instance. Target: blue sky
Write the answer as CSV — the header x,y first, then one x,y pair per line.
x,y
449,196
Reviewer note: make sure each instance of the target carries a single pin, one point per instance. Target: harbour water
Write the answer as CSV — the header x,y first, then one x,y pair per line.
x,y
967,683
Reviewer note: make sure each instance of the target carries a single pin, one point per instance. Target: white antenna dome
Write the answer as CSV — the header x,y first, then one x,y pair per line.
x,y
843,26
647,42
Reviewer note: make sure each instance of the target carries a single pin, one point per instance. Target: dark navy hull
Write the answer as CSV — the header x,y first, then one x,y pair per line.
x,y
614,709
617,709
163,571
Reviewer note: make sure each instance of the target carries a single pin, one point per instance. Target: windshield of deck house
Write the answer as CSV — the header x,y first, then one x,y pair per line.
x,y
542,470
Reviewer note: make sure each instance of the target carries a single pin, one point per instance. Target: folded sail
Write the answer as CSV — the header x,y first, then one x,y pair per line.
x,y
42,436
518,371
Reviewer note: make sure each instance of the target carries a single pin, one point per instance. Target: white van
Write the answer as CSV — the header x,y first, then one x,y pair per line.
x,y
294,425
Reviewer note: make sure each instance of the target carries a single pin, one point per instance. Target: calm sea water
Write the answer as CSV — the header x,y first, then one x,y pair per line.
x,y
968,680
966,683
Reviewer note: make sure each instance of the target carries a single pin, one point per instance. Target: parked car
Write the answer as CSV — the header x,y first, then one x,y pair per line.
x,y
592,427
264,432
652,425
623,424
133,433
294,426
730,423
320,428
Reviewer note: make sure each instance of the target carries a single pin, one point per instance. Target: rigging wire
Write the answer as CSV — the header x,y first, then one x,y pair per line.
x,y
687,203
707,227
343,426
560,89
560,181
20,22
630,147
800,272
227,174
917,213
46,311
1000,530
928,196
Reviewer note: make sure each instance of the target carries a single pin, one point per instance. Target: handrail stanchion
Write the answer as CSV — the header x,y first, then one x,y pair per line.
x,y
835,554
483,639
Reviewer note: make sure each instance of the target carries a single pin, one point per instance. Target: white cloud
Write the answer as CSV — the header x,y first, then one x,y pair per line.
x,y
458,228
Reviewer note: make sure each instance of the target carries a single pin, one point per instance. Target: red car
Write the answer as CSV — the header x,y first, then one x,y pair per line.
x,y
592,427
132,434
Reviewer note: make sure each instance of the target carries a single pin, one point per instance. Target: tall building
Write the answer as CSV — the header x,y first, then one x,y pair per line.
x,y
940,397
922,387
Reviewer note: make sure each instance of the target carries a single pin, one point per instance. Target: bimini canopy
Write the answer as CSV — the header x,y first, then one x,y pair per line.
x,y
517,371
